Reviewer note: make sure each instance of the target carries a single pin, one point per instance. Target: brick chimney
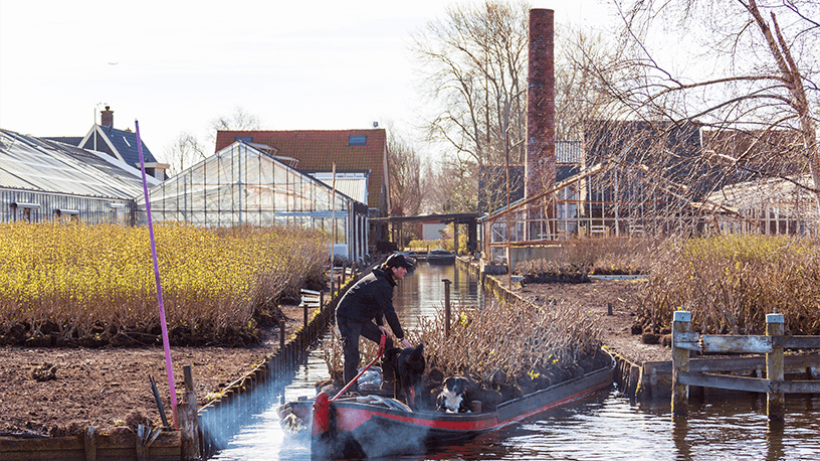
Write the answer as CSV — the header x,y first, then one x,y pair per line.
x,y
540,162
107,117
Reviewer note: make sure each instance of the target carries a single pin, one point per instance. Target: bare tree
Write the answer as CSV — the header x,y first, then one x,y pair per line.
x,y
757,101
184,152
476,63
404,168
187,149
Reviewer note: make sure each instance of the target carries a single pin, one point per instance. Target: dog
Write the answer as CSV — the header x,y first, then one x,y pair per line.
x,y
407,368
453,396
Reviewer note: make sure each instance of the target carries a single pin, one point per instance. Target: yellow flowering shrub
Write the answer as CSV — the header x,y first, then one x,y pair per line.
x,y
76,280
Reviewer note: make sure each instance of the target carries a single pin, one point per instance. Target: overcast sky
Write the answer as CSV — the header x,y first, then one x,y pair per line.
x,y
175,65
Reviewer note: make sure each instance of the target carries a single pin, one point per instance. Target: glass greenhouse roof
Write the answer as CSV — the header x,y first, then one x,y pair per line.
x,y
243,185
45,166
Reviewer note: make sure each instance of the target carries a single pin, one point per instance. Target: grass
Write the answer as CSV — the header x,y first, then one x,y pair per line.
x,y
62,283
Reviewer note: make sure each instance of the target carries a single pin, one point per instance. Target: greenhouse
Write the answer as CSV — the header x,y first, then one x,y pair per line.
x,y
46,181
243,185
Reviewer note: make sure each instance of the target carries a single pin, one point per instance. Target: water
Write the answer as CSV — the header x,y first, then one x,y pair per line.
x,y
606,426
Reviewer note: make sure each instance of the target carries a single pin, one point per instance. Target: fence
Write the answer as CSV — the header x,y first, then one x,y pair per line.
x,y
772,345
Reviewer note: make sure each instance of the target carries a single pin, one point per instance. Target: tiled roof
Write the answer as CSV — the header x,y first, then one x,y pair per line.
x,y
126,144
568,152
318,150
70,140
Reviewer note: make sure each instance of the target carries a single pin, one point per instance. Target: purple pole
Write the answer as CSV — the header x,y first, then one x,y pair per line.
x,y
168,368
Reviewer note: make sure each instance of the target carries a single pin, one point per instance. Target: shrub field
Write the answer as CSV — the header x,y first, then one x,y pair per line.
x,y
94,285
730,283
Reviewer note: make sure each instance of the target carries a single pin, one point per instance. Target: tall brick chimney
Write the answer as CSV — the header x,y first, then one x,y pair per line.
x,y
107,117
540,162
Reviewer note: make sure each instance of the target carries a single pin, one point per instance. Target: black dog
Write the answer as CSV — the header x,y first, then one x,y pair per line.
x,y
453,396
406,367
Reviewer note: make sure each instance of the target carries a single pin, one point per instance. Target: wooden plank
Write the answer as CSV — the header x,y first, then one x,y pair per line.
x,y
744,344
736,383
310,292
688,340
796,387
799,342
44,443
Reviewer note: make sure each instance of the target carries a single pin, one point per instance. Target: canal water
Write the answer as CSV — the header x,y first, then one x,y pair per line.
x,y
607,426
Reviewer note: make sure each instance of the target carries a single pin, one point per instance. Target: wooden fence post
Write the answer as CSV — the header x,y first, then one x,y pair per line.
x,y
681,323
446,308
775,407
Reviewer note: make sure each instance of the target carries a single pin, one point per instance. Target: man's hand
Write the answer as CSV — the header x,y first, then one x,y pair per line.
x,y
405,343
385,331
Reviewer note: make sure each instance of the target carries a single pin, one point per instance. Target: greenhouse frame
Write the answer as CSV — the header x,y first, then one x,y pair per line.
x,y
242,185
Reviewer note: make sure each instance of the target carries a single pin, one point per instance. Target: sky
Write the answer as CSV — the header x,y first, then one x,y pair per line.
x,y
177,65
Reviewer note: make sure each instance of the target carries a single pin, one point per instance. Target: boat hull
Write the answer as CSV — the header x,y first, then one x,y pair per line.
x,y
351,428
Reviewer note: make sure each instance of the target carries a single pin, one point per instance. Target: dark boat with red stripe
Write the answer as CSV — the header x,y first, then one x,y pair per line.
x,y
376,426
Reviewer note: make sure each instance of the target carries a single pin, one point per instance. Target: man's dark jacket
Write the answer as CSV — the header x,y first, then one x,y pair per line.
x,y
371,298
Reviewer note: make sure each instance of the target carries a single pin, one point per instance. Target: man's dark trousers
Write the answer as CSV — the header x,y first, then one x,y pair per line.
x,y
350,331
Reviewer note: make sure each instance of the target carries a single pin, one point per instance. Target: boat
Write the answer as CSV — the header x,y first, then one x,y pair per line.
x,y
372,426
441,256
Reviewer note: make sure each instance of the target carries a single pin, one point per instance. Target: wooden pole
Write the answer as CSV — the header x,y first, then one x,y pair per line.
x,y
681,322
446,308
281,334
188,420
90,444
775,407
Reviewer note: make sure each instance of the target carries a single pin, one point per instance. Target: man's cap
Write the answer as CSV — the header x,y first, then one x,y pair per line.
x,y
399,260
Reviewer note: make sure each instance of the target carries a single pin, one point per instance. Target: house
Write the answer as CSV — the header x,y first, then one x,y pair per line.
x,y
43,181
492,179
358,155
120,144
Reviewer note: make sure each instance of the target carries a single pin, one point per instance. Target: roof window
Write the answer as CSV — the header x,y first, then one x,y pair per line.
x,y
357,140
243,138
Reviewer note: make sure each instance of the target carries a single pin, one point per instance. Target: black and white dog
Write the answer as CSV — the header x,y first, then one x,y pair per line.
x,y
453,396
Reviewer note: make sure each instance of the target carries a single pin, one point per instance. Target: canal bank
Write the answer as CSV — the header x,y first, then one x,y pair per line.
x,y
644,370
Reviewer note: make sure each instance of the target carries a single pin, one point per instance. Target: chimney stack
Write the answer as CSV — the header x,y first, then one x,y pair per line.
x,y
107,117
540,161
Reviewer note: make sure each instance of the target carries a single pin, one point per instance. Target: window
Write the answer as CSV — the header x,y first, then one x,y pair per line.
x,y
26,210
243,138
357,140
67,215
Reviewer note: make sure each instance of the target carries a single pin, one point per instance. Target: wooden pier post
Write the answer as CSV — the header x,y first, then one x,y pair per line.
x,y
775,407
681,323
446,308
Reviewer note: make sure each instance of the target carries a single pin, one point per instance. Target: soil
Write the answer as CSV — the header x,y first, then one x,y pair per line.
x,y
58,391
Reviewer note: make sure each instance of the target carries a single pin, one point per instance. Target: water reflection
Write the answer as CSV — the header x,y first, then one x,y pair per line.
x,y
606,426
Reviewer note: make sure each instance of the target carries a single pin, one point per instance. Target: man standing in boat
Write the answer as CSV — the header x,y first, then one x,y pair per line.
x,y
371,298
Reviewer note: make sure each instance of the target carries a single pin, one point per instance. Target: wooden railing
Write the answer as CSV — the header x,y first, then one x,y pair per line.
x,y
708,373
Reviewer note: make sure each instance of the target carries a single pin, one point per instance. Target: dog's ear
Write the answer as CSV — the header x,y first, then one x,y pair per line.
x,y
419,352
